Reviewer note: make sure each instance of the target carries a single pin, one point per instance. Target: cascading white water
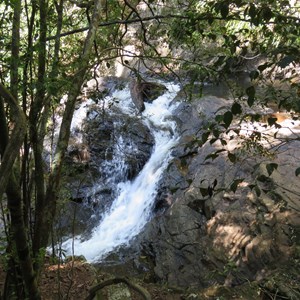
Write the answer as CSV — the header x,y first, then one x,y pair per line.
x,y
131,209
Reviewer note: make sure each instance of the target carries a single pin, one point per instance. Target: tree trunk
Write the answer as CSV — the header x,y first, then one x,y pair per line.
x,y
35,118
20,238
15,142
18,230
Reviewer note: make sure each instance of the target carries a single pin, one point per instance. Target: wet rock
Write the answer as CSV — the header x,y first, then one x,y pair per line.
x,y
79,153
226,238
142,91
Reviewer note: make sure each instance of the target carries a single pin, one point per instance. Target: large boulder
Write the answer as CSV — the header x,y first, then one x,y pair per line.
x,y
223,237
143,91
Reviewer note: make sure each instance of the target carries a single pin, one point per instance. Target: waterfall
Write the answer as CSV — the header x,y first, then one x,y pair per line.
x,y
132,207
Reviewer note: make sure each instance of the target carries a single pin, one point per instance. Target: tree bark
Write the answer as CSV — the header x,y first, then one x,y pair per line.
x,y
14,198
26,91
35,117
15,49
20,238
93,291
15,142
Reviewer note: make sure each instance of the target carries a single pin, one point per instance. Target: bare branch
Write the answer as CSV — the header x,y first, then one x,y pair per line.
x,y
145,294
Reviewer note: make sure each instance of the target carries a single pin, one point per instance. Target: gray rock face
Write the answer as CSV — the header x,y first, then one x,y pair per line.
x,y
224,237
144,92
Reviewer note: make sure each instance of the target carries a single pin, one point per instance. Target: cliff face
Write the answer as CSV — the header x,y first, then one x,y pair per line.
x,y
209,234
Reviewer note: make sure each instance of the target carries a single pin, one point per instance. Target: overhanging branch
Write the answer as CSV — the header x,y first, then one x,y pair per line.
x,y
168,16
119,22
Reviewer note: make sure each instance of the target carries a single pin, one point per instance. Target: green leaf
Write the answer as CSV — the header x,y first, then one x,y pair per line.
x,y
223,142
214,155
250,91
227,118
224,10
234,185
262,178
213,141
297,172
210,20
205,136
219,118
252,11
254,74
272,121
263,66
251,186
284,62
257,191
189,181
271,168
216,133
236,108
267,13
214,183
232,157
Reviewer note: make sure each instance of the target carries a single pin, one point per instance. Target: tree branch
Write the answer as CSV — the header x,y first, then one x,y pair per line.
x,y
120,22
162,17
145,294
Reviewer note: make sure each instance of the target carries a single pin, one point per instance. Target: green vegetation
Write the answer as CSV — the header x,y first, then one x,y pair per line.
x,y
49,49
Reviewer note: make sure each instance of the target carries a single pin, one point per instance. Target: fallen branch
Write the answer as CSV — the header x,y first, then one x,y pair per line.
x,y
145,294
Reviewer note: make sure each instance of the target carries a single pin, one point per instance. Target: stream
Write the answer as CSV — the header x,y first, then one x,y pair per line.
x,y
133,204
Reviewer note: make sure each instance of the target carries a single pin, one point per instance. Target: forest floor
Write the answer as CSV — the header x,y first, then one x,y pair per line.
x,y
73,281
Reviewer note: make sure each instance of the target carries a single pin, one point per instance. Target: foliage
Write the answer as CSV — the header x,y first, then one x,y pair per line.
x,y
49,49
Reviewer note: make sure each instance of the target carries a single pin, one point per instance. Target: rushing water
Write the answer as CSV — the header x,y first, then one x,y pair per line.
x,y
132,207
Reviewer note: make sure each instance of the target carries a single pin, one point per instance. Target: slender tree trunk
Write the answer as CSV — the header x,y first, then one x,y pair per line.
x,y
20,238
25,173
19,234
15,49
16,139
35,117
